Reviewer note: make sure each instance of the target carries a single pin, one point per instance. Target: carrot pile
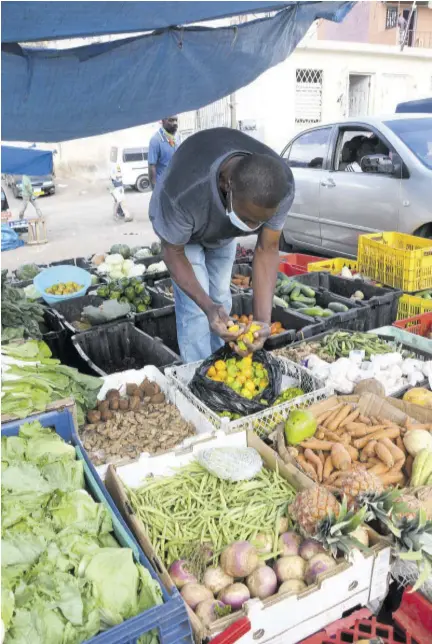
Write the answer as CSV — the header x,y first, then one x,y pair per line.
x,y
346,440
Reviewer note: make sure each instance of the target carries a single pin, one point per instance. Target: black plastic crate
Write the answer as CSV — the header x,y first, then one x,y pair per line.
x,y
59,341
119,346
292,321
382,302
70,310
241,269
162,286
160,324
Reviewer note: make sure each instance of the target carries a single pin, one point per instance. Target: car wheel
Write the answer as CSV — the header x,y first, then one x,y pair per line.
x,y
142,183
424,231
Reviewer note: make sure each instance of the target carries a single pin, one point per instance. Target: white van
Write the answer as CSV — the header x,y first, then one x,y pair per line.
x,y
132,164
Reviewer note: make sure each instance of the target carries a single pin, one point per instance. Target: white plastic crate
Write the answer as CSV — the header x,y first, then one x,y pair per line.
x,y
293,375
281,619
190,413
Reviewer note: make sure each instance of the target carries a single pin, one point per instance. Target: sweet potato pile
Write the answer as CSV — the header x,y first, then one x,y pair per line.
x,y
346,440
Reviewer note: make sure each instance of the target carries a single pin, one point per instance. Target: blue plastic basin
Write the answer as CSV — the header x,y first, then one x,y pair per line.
x,y
57,274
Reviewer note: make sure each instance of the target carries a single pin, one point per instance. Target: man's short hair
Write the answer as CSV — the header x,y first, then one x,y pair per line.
x,y
262,179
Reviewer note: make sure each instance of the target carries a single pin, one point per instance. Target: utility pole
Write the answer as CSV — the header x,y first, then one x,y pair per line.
x,y
236,20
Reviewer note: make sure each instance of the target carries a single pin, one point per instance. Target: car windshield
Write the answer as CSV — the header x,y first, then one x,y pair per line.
x,y
417,136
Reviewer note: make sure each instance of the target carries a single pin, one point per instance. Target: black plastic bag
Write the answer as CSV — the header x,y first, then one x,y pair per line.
x,y
220,398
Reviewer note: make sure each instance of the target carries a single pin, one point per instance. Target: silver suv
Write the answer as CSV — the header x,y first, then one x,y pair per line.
x,y
360,176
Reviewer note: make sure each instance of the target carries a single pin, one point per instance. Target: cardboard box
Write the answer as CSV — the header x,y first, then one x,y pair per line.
x,y
281,618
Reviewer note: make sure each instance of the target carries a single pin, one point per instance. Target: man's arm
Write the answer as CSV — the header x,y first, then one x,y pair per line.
x,y
152,174
264,273
153,156
183,275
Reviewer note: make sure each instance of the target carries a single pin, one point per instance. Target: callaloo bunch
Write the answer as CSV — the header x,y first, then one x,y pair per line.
x,y
20,316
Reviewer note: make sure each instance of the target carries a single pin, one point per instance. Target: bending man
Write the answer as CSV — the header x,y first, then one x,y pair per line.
x,y
221,184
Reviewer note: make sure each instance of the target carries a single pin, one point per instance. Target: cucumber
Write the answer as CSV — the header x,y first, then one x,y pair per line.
x,y
327,313
307,290
287,288
337,307
306,300
314,312
298,305
295,294
278,301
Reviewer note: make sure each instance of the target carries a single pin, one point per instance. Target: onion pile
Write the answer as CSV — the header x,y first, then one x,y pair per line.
x,y
242,574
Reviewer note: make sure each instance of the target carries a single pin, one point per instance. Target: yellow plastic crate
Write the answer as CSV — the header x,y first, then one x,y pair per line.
x,y
333,266
397,260
410,305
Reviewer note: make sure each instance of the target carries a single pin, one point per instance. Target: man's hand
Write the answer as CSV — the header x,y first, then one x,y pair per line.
x,y
219,321
260,337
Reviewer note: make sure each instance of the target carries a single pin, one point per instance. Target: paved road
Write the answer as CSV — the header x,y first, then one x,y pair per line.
x,y
79,222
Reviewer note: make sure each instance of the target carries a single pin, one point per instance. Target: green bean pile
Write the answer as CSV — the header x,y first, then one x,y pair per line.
x,y
195,507
340,343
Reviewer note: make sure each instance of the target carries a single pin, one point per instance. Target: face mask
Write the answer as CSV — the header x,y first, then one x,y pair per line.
x,y
236,221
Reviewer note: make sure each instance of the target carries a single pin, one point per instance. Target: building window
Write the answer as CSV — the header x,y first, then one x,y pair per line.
x,y
308,96
391,18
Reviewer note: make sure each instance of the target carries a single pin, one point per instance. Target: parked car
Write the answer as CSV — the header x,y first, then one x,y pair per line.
x,y
360,176
43,185
132,165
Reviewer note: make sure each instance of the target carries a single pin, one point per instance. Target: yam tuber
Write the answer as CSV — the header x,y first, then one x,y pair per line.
x,y
340,457
343,413
384,454
328,467
315,462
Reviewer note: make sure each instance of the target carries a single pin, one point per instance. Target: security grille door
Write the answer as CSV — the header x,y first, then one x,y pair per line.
x,y
308,97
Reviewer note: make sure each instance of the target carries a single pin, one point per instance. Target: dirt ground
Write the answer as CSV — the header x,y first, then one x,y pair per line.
x,y
79,222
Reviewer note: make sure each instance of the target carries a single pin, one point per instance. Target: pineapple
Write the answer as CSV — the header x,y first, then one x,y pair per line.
x,y
356,483
311,506
415,499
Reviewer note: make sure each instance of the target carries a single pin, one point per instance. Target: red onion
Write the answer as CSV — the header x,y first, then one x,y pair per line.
x,y
235,595
317,566
262,582
309,548
291,567
239,559
206,611
180,575
289,543
215,579
194,594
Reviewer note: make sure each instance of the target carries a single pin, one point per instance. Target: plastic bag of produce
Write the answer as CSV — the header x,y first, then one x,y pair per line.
x,y
218,397
231,463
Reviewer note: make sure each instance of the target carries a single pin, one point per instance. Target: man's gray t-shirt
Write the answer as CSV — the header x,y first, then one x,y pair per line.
x,y
186,206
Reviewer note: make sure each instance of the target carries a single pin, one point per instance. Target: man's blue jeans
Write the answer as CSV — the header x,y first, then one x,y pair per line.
x,y
212,268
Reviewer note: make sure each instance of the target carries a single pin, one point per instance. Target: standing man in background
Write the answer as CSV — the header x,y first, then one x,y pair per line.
x,y
162,146
28,196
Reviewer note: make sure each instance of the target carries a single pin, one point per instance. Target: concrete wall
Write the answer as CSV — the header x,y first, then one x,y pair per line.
x,y
395,76
366,23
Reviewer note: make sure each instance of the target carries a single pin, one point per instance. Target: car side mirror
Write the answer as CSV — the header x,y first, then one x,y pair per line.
x,y
377,164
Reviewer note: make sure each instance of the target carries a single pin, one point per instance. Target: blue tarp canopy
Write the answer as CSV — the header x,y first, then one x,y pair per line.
x,y
60,94
29,161
422,106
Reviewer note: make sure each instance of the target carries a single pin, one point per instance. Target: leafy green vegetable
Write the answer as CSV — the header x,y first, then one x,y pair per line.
x,y
20,317
32,379
64,576
27,272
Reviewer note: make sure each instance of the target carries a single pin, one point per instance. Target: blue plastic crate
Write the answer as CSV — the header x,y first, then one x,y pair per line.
x,y
170,618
